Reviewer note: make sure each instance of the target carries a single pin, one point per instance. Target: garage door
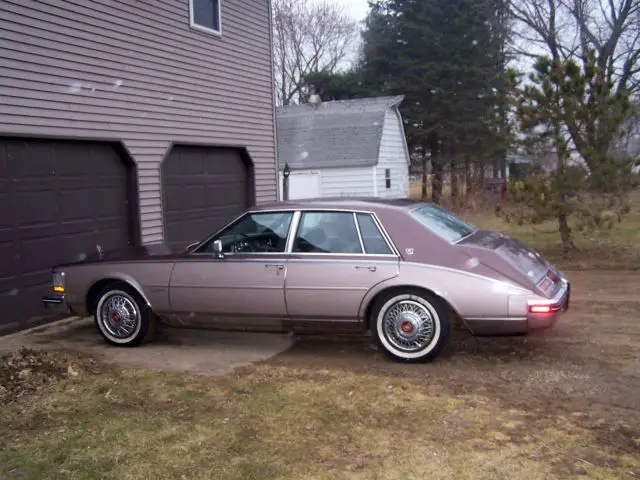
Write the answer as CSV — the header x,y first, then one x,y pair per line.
x,y
58,201
203,189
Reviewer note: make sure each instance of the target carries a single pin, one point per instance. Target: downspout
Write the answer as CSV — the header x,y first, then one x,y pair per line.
x,y
274,103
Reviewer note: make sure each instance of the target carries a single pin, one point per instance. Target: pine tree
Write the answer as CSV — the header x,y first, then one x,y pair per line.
x,y
443,57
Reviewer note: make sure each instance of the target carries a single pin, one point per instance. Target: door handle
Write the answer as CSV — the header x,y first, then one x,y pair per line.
x,y
271,265
371,268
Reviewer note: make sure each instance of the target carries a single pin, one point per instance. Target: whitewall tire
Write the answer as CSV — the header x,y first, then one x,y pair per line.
x,y
123,318
410,325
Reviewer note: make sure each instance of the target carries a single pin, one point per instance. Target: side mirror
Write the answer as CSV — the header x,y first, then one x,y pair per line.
x,y
217,247
192,246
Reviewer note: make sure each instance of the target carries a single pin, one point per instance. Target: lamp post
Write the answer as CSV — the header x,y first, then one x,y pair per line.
x,y
285,182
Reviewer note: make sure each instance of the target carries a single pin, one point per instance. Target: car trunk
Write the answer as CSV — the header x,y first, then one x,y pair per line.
x,y
515,253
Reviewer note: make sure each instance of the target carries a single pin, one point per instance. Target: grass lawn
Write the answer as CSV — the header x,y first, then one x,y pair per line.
x,y
277,421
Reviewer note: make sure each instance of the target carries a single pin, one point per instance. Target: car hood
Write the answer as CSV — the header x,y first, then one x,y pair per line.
x,y
139,253
495,249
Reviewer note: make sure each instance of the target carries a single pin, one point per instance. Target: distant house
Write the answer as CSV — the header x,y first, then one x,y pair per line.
x,y
344,148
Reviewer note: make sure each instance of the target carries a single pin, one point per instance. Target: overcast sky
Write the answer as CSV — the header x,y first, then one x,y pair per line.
x,y
357,8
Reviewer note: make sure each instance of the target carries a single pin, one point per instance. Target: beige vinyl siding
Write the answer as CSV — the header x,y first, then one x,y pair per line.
x,y
134,71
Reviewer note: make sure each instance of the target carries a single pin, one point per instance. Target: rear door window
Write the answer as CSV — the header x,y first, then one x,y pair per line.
x,y
372,238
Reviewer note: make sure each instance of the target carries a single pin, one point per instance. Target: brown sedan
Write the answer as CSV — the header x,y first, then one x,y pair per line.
x,y
402,269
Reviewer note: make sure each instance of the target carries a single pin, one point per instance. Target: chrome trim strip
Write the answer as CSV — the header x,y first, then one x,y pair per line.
x,y
331,289
308,209
496,319
231,287
293,231
363,255
355,220
329,257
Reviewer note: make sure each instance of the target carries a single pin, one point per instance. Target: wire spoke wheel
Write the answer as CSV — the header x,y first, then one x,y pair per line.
x,y
409,326
119,316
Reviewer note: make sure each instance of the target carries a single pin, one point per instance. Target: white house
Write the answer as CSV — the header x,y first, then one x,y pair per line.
x,y
346,148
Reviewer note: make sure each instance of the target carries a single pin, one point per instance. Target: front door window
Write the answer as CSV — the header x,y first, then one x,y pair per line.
x,y
253,233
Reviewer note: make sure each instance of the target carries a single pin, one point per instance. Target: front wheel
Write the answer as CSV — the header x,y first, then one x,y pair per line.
x,y
122,317
411,326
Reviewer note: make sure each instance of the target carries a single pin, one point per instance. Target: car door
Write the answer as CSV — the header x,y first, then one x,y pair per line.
x,y
243,286
330,270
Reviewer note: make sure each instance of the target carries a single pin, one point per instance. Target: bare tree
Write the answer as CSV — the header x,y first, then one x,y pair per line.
x,y
308,37
579,30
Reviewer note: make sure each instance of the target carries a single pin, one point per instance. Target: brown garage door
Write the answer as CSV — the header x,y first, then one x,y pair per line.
x,y
203,189
58,201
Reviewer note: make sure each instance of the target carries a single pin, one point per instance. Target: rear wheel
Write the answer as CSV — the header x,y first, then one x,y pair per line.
x,y
411,325
123,317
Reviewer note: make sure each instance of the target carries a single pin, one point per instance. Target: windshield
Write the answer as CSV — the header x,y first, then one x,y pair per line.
x,y
442,222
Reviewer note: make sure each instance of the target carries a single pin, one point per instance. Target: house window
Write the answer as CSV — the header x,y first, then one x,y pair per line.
x,y
387,177
205,15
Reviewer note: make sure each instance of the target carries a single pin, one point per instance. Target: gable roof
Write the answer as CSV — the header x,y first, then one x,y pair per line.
x,y
338,134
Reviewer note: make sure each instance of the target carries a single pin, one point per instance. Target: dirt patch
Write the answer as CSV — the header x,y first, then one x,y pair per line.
x,y
28,372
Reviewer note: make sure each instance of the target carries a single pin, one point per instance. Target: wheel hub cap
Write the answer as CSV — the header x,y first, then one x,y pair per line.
x,y
409,326
119,316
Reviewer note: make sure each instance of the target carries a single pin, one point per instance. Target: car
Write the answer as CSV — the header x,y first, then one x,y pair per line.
x,y
403,270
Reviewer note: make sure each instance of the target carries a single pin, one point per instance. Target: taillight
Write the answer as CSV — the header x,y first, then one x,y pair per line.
x,y
540,308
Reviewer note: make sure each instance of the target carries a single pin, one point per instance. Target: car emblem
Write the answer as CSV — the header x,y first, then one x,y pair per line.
x,y
409,251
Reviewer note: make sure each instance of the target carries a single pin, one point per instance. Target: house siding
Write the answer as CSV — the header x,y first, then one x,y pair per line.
x,y
135,72
393,156
339,182
346,182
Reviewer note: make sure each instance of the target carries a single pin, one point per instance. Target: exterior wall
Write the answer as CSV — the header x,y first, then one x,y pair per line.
x,y
346,182
341,182
393,156
136,72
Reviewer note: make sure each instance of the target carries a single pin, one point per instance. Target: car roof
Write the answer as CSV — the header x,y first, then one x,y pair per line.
x,y
347,203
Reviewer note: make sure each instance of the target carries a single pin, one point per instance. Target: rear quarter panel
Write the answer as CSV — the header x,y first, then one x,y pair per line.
x,y
150,279
470,295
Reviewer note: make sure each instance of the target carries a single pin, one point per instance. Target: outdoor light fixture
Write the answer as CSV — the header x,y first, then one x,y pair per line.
x,y
287,171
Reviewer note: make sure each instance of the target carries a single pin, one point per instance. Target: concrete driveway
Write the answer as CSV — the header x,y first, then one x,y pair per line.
x,y
175,350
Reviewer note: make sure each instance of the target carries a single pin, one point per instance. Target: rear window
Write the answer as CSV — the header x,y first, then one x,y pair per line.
x,y
442,222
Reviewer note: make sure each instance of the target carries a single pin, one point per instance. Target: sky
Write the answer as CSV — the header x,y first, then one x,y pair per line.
x,y
357,8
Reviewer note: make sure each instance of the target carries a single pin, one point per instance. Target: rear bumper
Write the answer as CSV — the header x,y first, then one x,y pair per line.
x,y
522,321
558,305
